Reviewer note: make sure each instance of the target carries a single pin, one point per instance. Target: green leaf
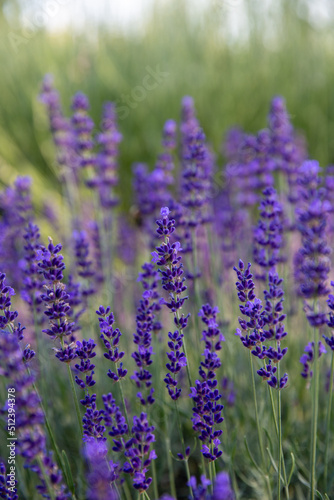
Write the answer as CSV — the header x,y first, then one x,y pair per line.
x,y
68,472
252,458
293,465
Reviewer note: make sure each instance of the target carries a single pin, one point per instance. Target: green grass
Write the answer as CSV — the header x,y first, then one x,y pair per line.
x,y
232,81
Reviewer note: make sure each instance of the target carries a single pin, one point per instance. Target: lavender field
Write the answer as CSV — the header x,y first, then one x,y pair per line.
x,y
183,349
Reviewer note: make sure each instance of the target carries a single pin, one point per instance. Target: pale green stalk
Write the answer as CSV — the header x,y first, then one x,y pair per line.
x,y
74,394
46,479
183,447
328,421
258,424
315,395
280,458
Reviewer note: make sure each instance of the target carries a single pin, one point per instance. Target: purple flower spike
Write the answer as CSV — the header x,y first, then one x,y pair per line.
x,y
138,453
100,475
170,266
58,311
111,338
312,262
29,417
149,305
207,410
268,234
262,324
308,358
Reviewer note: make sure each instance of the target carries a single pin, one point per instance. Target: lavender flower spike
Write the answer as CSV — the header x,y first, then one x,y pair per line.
x,y
207,410
167,259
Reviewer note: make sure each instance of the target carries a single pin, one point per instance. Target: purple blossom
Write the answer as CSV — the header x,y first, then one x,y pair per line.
x,y
285,147
146,324
330,321
152,188
61,129
308,358
58,311
29,418
268,233
8,486
106,178
227,391
196,176
312,259
83,126
171,270
232,144
83,262
222,489
207,410
138,453
16,212
262,324
111,338
32,281
101,473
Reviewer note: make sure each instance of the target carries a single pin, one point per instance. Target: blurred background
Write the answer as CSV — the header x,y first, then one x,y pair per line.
x,y
232,56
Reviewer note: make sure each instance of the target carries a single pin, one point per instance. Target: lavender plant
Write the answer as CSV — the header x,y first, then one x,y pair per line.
x,y
150,426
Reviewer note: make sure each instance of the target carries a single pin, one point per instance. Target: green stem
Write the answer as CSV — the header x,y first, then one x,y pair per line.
x,y
258,425
46,479
74,394
170,462
256,410
328,422
279,411
314,415
124,407
211,476
48,427
277,434
183,447
155,481
177,316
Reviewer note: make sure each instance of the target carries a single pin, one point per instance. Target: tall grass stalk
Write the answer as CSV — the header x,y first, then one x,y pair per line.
x,y
328,423
315,404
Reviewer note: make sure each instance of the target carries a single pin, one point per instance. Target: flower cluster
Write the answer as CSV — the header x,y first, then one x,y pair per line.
x,y
152,188
222,489
32,282
82,127
308,358
83,263
207,410
16,212
101,472
268,233
330,321
261,325
146,324
286,148
51,265
111,338
166,257
7,316
312,259
106,160
29,418
8,487
194,208
60,127
138,453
